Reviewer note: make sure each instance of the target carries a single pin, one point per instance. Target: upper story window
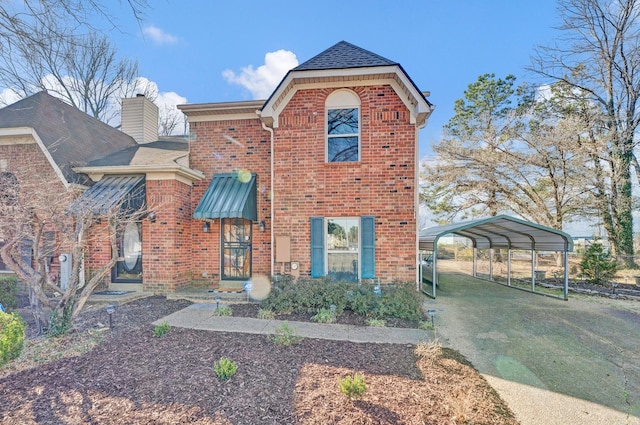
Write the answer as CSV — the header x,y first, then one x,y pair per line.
x,y
343,126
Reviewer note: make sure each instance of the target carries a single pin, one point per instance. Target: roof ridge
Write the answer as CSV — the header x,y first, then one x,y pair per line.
x,y
344,55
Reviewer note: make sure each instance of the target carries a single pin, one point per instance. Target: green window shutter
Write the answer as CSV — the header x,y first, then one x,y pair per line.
x,y
368,247
317,247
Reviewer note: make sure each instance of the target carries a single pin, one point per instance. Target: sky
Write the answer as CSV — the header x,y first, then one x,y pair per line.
x,y
201,51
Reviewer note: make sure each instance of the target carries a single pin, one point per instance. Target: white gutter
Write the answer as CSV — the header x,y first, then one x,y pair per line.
x,y
270,130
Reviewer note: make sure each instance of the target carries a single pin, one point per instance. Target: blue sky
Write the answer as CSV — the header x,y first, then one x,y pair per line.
x,y
187,47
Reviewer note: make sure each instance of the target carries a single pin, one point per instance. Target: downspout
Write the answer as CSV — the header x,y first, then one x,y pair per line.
x,y
270,130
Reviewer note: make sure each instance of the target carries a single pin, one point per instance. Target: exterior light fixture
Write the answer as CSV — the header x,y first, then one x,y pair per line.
x,y
261,226
217,303
110,310
205,227
432,313
152,216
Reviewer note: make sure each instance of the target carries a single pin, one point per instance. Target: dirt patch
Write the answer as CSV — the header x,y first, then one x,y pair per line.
x,y
132,377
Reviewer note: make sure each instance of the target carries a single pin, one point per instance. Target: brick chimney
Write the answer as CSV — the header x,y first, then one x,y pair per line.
x,y
140,119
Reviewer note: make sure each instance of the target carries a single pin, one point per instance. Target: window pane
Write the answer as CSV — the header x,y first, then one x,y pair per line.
x,y
342,234
342,121
343,266
342,149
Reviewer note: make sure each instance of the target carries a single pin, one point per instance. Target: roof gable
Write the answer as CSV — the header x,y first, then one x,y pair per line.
x,y
344,55
71,137
346,65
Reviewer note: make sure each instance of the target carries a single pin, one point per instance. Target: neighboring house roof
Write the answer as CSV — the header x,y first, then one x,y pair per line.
x,y
344,55
154,153
70,137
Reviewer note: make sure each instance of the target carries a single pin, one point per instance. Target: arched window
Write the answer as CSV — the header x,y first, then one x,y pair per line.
x,y
343,126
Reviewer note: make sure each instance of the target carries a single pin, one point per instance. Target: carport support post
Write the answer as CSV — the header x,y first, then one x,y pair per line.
x,y
533,270
509,267
475,261
566,275
490,263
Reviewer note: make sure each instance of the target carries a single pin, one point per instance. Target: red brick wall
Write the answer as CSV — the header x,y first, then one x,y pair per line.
x,y
166,244
382,184
32,168
226,147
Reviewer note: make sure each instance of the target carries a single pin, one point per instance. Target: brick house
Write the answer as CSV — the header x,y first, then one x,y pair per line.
x,y
319,179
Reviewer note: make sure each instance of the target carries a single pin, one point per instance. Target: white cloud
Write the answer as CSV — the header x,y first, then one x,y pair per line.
x,y
9,96
263,80
159,36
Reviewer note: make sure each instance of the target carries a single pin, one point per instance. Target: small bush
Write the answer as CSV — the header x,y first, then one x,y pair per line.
x,y
266,314
353,387
59,324
377,323
598,265
426,325
161,329
401,301
363,300
223,310
11,337
225,368
324,315
284,335
8,292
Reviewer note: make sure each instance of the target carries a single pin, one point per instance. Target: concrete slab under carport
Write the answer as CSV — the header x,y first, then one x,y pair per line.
x,y
552,361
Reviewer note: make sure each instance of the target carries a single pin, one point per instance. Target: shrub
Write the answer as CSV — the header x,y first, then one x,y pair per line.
x,y
225,368
598,265
284,335
224,310
59,324
353,387
8,292
401,301
266,314
11,336
161,329
377,323
362,300
324,315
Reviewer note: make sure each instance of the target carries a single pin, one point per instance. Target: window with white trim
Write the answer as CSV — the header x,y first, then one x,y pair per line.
x,y
343,126
343,247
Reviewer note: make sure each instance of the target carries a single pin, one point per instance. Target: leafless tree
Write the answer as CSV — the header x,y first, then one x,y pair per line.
x,y
38,224
82,70
502,158
596,57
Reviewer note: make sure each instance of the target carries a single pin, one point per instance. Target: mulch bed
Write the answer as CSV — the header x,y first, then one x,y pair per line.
x,y
135,378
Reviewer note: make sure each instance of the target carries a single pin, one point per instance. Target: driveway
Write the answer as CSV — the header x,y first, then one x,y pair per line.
x,y
552,361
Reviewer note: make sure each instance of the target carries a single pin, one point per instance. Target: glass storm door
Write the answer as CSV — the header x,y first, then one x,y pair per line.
x,y
129,265
236,248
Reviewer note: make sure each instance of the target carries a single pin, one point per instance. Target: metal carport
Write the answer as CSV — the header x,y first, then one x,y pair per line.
x,y
500,232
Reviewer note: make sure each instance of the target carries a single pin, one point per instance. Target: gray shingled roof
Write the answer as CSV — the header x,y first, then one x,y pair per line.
x,y
344,55
72,137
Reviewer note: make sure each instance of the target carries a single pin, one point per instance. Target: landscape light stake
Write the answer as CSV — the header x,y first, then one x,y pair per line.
x,y
217,303
432,314
110,310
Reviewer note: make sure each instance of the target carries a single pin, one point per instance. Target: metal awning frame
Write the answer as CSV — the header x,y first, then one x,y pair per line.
x,y
499,232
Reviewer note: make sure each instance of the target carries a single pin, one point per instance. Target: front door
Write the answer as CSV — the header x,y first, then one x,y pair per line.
x,y
129,265
236,249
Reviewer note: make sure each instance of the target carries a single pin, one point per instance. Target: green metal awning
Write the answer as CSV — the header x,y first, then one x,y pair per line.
x,y
111,191
229,197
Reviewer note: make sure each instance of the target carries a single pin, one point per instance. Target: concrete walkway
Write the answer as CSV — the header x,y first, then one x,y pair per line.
x,y
201,316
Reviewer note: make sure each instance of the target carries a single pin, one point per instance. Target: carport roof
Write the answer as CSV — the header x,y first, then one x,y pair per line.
x,y
501,232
